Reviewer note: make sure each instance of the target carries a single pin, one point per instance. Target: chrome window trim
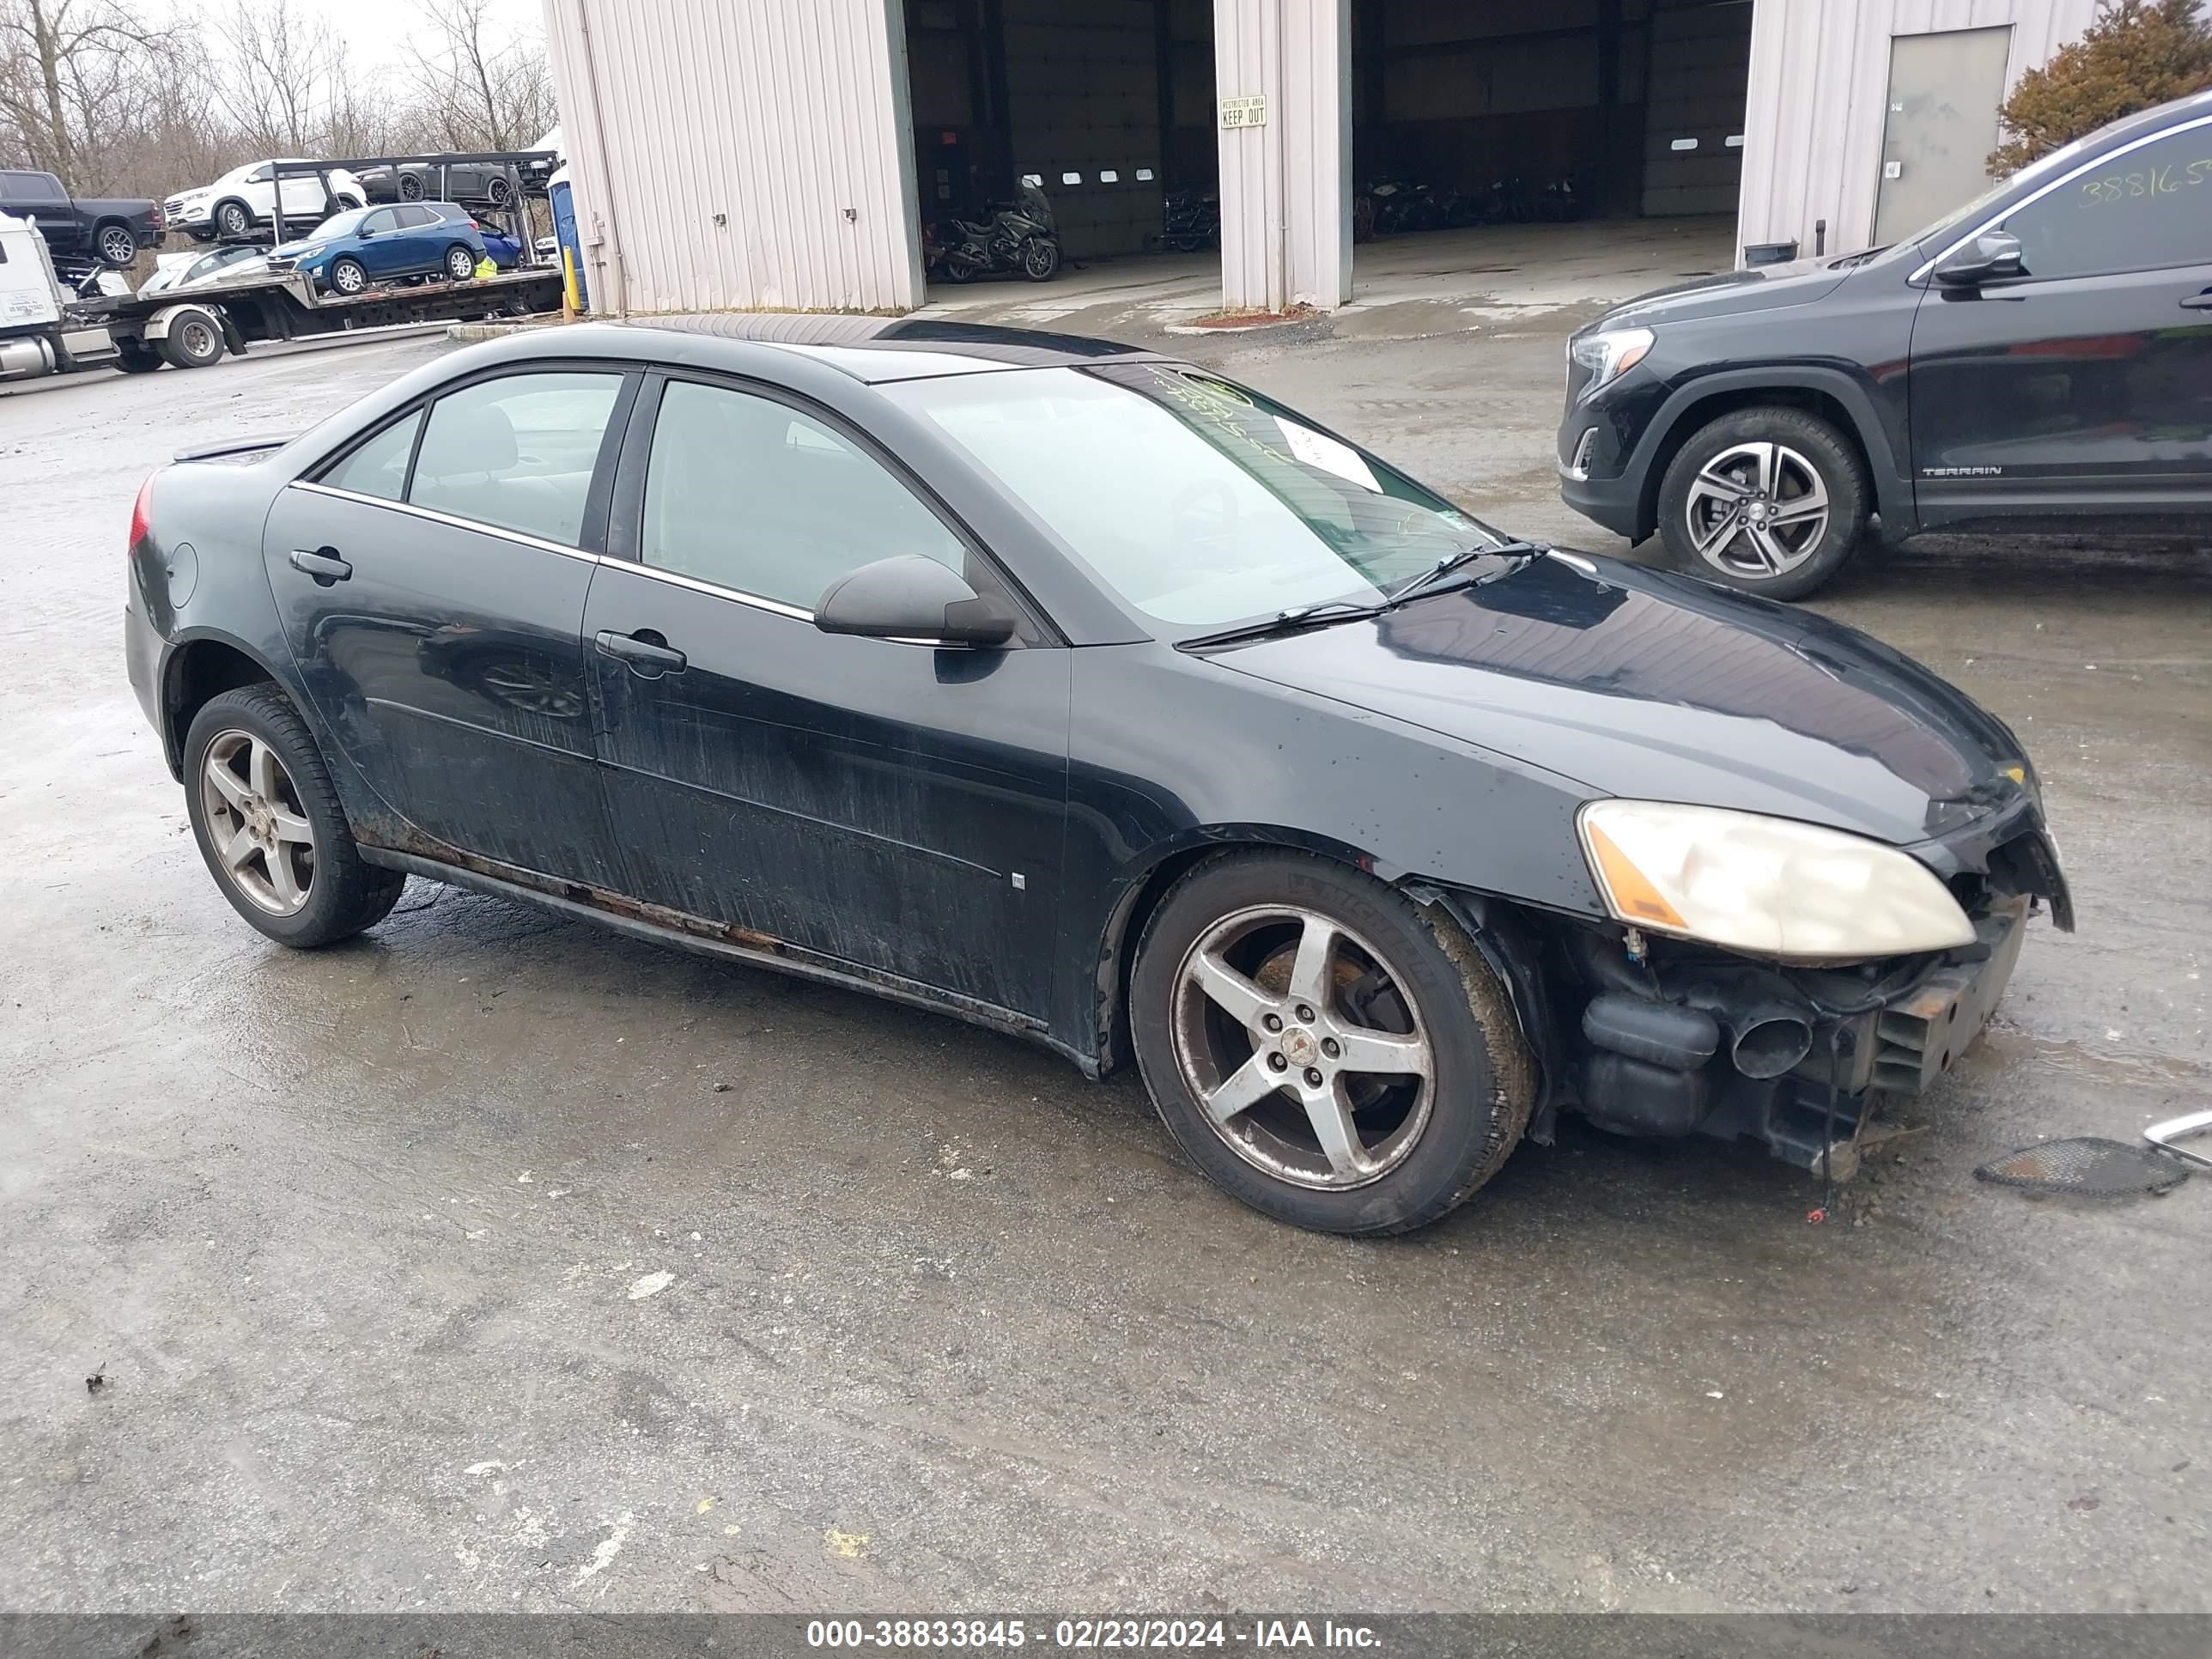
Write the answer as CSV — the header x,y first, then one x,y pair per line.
x,y
759,602
2029,201
714,590
451,520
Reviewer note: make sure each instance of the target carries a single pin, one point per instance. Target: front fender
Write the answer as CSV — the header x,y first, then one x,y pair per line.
x,y
1680,415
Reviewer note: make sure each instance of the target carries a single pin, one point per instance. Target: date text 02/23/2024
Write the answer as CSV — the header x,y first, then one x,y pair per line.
x,y
1170,1634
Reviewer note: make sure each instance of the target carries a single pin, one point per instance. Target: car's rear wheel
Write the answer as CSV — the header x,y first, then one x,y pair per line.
x,y
460,263
348,277
118,245
268,824
1324,1049
496,190
1771,502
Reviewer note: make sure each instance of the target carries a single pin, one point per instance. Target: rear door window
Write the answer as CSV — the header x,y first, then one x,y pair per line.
x,y
2148,210
518,452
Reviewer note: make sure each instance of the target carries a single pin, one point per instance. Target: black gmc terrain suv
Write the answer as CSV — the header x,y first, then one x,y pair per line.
x,y
2040,358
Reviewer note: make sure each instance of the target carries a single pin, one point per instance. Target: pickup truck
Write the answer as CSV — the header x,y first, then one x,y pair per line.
x,y
109,231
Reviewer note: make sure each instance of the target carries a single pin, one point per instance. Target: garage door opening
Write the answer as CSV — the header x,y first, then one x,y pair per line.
x,y
1105,107
1480,117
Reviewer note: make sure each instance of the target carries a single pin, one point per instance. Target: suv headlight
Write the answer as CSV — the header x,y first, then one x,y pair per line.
x,y
1609,354
1768,887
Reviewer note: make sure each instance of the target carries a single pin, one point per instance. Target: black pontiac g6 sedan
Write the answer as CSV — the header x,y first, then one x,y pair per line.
x,y
1082,694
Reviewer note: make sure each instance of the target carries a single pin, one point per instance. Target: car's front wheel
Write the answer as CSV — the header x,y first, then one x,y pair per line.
x,y
348,277
232,218
1324,1049
1772,501
269,825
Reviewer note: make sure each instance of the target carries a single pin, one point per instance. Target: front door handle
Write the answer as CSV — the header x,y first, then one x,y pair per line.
x,y
648,654
324,564
2198,301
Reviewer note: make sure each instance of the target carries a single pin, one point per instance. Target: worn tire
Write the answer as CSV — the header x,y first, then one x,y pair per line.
x,y
345,895
1820,445
1484,1082
194,341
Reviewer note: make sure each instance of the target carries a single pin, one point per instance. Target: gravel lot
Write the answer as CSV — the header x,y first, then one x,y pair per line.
x,y
495,1262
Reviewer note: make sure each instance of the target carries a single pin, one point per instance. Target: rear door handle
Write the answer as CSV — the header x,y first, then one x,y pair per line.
x,y
324,564
2198,301
648,654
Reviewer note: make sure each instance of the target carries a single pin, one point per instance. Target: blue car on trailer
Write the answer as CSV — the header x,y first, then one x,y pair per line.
x,y
349,252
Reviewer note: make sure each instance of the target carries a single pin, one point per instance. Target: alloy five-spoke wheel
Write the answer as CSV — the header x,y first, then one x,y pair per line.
x,y
1308,1057
1322,1047
261,835
1758,510
1770,500
270,825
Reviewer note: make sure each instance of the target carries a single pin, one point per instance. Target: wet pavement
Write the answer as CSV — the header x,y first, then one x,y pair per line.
x,y
493,1261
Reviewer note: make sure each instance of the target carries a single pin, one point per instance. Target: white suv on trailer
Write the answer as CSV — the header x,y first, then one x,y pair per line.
x,y
244,199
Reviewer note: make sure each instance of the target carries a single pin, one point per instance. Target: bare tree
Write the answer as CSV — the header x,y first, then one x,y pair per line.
x,y
283,74
484,93
65,66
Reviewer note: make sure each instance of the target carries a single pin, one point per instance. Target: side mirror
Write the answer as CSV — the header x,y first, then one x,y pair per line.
x,y
911,598
367,231
1991,257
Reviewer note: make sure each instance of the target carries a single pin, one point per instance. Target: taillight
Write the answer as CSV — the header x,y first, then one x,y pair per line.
x,y
140,514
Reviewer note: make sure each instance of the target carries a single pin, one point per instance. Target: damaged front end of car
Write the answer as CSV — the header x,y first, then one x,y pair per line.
x,y
1660,1034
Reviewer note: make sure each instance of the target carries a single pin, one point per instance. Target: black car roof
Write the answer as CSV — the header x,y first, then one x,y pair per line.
x,y
874,350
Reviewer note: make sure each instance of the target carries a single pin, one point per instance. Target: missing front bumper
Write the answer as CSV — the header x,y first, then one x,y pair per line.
x,y
1900,1046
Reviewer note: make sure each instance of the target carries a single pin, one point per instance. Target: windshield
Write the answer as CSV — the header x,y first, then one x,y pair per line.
x,y
339,224
2033,173
1197,501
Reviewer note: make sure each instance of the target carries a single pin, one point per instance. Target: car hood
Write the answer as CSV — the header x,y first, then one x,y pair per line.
x,y
1764,288
1642,685
298,250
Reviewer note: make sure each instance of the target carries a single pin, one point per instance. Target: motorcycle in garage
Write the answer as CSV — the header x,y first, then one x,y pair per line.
x,y
1021,236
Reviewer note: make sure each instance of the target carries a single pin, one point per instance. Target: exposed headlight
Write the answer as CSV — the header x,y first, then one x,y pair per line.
x,y
1769,887
1609,354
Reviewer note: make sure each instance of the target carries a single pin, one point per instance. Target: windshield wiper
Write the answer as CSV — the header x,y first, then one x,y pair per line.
x,y
1284,621
1302,616
1451,563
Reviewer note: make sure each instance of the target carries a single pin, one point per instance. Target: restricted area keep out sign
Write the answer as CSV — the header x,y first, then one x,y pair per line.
x,y
1243,112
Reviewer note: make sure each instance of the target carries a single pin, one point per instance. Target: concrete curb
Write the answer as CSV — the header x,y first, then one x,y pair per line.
x,y
472,331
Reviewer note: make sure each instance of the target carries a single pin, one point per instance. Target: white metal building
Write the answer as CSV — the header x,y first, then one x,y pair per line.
x,y
785,153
